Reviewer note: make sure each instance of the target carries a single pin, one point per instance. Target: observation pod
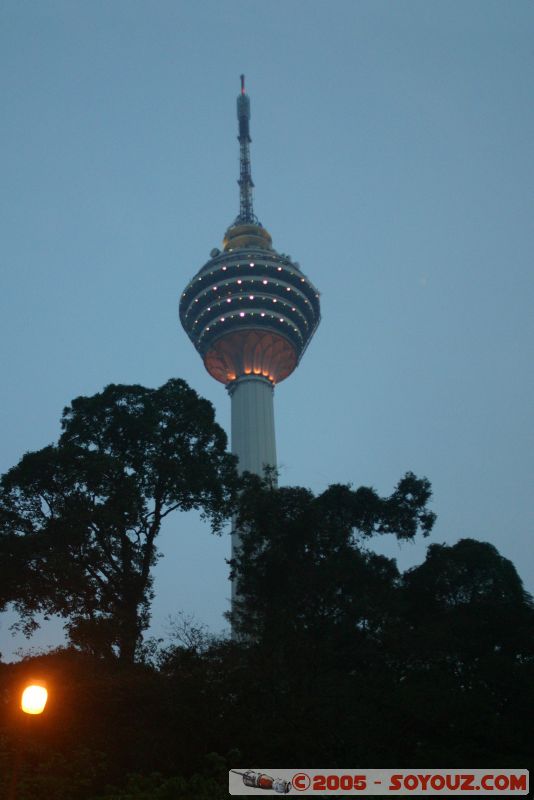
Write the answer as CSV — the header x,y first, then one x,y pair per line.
x,y
249,310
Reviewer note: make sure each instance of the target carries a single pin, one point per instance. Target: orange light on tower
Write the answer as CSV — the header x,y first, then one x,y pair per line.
x,y
34,698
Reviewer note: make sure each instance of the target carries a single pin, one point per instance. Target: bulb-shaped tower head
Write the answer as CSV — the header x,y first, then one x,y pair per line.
x,y
249,310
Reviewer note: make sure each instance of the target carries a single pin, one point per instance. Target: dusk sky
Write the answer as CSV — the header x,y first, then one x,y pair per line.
x,y
393,158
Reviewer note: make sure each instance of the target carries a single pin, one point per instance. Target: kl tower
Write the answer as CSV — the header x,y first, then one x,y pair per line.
x,y
250,313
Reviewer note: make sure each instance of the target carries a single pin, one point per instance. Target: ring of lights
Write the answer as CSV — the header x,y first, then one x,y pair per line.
x,y
250,312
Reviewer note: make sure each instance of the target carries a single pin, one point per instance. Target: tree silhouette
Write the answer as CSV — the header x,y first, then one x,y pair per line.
x,y
302,564
79,520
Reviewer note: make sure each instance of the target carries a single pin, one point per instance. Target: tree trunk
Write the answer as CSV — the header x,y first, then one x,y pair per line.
x,y
129,632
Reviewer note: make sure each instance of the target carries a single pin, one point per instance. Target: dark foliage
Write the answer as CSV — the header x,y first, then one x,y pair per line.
x,y
302,567
79,521
341,660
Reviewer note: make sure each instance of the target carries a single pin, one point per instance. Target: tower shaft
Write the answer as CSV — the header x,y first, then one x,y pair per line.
x,y
253,438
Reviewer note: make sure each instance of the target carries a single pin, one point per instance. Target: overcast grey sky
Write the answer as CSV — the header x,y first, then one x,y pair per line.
x,y
393,158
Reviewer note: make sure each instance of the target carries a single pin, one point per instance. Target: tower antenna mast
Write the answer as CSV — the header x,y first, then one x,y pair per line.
x,y
246,213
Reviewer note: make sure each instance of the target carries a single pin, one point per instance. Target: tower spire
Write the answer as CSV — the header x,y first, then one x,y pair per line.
x,y
246,212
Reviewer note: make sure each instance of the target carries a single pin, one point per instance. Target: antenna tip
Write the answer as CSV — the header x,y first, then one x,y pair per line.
x,y
242,84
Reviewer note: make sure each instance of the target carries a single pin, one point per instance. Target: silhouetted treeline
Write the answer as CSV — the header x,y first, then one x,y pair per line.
x,y
341,660
337,658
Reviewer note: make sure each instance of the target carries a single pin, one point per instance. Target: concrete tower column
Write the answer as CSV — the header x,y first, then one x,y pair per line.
x,y
253,438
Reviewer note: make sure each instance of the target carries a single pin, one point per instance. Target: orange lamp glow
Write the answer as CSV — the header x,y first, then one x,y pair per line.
x,y
34,699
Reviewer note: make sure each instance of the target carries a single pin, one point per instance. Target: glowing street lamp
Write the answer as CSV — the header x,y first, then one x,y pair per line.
x,y
32,701
34,698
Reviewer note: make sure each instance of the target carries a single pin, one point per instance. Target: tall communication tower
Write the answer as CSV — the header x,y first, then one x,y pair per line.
x,y
250,312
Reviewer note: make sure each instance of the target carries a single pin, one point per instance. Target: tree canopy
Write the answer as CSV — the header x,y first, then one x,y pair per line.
x,y
339,657
342,660
302,563
79,520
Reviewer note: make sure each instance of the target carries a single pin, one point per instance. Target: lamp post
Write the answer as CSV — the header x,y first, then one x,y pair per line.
x,y
32,702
